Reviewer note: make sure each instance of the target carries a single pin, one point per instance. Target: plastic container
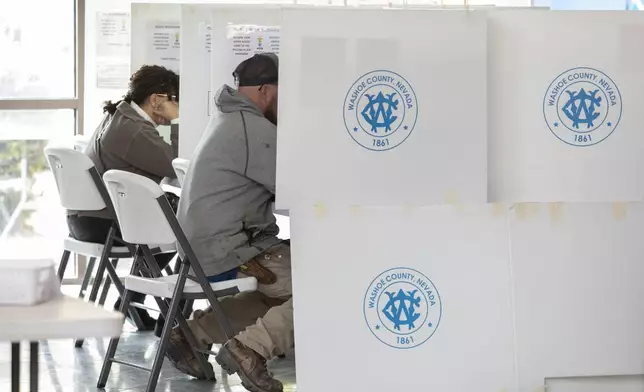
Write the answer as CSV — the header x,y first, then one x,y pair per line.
x,y
27,281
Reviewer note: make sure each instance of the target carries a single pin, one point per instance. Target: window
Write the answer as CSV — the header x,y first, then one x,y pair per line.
x,y
38,104
37,49
31,223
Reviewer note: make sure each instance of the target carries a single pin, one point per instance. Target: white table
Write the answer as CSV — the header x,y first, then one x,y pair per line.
x,y
62,318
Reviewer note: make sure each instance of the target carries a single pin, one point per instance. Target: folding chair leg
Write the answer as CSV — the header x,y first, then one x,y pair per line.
x,y
98,280
63,265
163,345
111,272
171,315
170,319
114,342
78,343
102,264
87,278
108,282
187,309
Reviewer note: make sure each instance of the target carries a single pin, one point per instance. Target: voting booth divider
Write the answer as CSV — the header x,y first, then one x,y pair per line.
x,y
236,32
464,189
563,119
487,297
409,272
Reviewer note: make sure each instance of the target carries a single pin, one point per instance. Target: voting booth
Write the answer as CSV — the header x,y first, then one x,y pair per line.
x,y
235,32
464,189
418,264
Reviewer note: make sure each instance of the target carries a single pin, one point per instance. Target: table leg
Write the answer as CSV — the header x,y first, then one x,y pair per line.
x,y
33,367
15,367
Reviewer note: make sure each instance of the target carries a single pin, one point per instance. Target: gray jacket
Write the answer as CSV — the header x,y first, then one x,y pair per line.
x,y
226,199
126,141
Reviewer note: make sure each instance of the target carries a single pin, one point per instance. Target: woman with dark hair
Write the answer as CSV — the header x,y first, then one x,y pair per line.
x,y
127,139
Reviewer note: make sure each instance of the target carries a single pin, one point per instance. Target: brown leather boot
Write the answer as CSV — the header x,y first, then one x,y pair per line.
x,y
181,356
234,357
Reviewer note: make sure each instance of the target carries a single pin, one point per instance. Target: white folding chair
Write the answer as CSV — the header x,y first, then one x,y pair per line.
x,y
81,142
181,166
81,188
146,217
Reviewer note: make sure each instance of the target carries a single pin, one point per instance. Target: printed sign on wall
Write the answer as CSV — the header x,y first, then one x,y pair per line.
x,y
165,44
244,41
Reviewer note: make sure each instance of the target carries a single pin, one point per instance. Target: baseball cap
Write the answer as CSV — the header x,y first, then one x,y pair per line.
x,y
258,70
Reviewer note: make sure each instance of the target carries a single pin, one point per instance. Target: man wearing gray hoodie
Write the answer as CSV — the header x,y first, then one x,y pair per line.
x,y
226,213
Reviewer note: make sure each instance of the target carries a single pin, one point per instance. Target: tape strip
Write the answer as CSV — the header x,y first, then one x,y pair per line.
x,y
498,209
452,198
555,212
620,211
320,210
526,211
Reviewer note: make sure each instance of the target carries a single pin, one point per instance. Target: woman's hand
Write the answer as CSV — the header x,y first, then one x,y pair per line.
x,y
167,110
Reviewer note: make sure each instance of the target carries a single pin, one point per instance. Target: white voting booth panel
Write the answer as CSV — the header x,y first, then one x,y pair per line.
x,y
382,107
579,297
156,39
530,295
202,77
564,111
195,75
340,258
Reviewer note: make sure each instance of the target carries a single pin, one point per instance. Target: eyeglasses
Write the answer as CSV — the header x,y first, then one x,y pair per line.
x,y
170,97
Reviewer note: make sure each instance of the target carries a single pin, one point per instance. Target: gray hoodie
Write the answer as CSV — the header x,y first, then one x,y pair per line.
x,y
226,200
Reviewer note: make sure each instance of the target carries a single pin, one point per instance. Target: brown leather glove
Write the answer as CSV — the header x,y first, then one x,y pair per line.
x,y
261,273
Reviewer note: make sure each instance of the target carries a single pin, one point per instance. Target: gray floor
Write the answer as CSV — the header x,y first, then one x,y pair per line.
x,y
64,368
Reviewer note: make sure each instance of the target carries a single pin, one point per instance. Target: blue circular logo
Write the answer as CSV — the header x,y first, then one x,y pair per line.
x,y
380,110
582,106
402,308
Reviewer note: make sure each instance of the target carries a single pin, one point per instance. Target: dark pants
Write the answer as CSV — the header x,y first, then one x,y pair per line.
x,y
92,229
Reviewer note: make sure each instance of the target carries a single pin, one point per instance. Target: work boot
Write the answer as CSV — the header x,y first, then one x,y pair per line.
x,y
181,356
234,357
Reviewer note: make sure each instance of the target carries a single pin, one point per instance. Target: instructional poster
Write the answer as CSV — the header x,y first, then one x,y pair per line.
x,y
164,47
112,49
245,41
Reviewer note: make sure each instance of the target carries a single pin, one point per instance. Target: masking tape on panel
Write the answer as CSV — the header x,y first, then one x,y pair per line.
x,y
555,212
619,211
320,210
498,209
452,198
525,211
408,209
355,210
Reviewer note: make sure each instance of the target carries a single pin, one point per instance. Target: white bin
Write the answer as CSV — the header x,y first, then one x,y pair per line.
x,y
27,281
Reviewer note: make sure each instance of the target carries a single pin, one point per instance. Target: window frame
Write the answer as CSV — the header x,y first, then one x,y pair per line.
x,y
76,103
